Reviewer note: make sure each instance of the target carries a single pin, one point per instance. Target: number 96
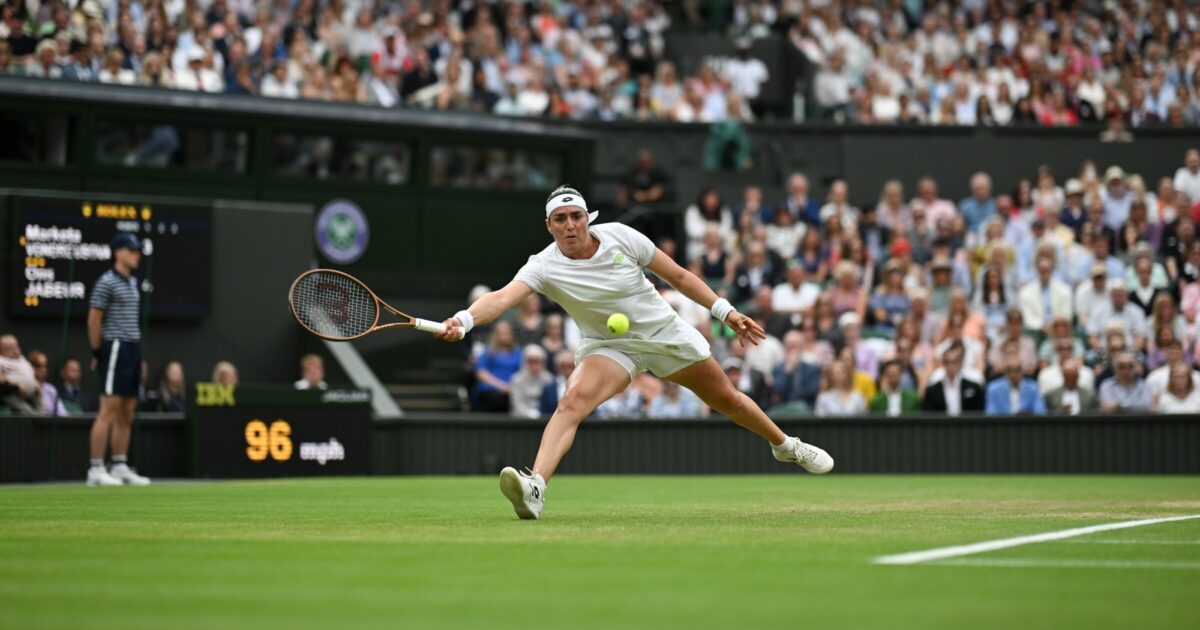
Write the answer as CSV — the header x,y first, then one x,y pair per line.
x,y
275,441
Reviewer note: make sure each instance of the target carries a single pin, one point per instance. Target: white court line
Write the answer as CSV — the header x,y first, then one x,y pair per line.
x,y
942,553
1052,563
1133,542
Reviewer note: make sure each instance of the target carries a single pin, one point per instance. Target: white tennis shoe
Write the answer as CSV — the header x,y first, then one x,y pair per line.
x,y
126,475
101,477
525,489
811,458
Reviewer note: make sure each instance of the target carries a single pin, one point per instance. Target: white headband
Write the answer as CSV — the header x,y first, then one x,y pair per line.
x,y
569,199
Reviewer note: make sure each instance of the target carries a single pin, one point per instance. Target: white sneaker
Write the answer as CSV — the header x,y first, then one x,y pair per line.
x,y
811,458
125,474
100,477
526,490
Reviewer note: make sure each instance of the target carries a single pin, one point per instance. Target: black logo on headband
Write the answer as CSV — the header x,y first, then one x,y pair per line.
x,y
566,199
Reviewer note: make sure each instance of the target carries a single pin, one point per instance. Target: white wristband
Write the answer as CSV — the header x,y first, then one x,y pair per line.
x,y
721,309
464,317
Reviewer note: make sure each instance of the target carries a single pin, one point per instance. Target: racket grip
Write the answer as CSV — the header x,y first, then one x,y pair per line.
x,y
424,325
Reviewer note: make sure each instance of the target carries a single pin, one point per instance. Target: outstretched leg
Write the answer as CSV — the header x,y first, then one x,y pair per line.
x,y
713,387
595,380
709,382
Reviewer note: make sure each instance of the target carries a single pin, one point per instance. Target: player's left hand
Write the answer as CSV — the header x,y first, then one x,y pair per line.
x,y
748,330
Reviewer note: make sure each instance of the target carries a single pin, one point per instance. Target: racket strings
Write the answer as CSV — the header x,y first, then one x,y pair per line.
x,y
333,305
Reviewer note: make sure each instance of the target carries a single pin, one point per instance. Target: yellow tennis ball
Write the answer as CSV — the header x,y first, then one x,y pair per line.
x,y
618,324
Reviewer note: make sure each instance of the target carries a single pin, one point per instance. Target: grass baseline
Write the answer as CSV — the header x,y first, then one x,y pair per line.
x,y
662,552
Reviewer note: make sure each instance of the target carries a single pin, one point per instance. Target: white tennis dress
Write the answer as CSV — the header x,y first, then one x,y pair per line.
x,y
612,281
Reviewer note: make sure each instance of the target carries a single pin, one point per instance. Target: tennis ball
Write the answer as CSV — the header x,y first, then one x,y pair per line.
x,y
618,324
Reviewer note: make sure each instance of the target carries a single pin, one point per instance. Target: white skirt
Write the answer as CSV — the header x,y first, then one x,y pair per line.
x,y
674,347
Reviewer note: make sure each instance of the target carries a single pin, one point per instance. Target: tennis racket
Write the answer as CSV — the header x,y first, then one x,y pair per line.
x,y
337,306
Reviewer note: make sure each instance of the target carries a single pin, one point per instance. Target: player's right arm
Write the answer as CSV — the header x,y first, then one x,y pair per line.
x,y
487,308
94,320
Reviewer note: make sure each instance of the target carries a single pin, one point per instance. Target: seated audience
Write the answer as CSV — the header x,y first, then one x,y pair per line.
x,y
496,367
675,402
1126,390
18,387
1013,393
70,390
225,373
893,399
529,382
312,372
797,381
1181,394
51,404
838,396
1070,398
564,365
954,394
171,394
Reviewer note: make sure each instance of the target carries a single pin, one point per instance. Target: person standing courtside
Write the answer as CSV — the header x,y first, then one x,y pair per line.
x,y
114,336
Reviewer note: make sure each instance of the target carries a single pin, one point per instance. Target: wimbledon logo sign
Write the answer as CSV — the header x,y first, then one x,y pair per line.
x,y
341,231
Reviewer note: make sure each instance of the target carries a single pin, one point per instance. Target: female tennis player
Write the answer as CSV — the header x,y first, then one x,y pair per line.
x,y
593,272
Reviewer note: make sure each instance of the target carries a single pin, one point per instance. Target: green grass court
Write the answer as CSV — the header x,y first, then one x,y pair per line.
x,y
656,552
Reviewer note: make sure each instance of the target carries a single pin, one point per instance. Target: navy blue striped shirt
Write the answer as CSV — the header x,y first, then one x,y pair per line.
x,y
118,297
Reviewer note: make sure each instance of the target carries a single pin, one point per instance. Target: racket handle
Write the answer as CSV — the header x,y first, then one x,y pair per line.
x,y
424,325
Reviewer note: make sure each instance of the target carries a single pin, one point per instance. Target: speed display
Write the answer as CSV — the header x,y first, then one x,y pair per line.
x,y
62,247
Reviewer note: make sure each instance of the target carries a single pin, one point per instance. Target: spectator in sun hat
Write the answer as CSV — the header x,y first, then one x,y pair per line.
x,y
1073,213
1117,198
940,283
890,304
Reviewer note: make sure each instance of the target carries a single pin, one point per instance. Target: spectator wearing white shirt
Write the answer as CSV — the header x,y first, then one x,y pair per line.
x,y
1187,178
529,382
796,296
196,77
1181,394
113,71
1159,378
1116,198
533,99
1117,310
312,372
839,208
1070,398
747,75
1089,294
832,89
278,85
784,233
18,385
1046,297
1051,377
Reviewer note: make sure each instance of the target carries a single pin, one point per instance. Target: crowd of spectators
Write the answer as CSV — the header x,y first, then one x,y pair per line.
x,y
986,62
26,387
1056,295
989,62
